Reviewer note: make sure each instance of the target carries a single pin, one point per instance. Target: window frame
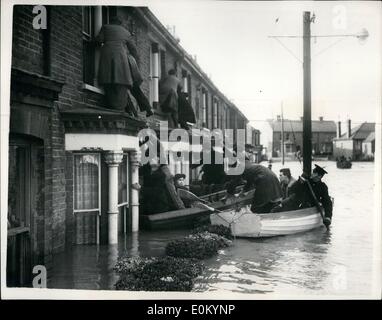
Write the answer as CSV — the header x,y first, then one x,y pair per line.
x,y
126,203
99,183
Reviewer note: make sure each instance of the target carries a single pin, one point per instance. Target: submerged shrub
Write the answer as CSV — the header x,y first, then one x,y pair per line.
x,y
217,229
157,274
199,246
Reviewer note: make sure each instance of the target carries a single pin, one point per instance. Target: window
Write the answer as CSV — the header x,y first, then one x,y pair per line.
x,y
189,87
93,17
205,107
86,182
123,194
157,71
162,69
215,115
123,182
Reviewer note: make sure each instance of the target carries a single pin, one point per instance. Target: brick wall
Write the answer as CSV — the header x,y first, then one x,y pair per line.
x,y
27,47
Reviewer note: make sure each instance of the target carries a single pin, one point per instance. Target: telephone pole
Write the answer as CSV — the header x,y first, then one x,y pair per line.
x,y
307,120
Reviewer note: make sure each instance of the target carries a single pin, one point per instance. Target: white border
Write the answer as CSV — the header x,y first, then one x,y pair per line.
x,y
28,293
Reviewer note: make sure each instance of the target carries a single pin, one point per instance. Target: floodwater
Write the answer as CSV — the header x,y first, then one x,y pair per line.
x,y
340,262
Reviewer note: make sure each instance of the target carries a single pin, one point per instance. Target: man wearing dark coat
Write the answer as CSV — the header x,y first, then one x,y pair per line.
x,y
118,69
300,195
266,185
168,97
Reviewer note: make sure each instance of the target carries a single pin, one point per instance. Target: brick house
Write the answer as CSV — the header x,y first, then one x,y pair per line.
x,y
323,132
72,160
357,143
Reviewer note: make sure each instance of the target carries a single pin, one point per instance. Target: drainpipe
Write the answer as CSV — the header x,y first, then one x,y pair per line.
x,y
97,29
113,159
134,162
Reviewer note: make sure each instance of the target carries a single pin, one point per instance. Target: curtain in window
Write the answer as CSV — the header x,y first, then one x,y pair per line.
x,y
86,178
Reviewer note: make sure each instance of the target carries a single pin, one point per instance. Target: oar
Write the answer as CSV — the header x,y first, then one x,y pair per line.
x,y
316,201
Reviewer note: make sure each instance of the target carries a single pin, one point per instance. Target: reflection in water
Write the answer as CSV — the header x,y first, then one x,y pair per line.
x,y
335,262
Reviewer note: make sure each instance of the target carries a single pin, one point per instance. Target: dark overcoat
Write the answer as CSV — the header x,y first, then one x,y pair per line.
x,y
265,181
117,65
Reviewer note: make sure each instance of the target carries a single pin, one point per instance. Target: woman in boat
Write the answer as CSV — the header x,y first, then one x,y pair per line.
x,y
158,192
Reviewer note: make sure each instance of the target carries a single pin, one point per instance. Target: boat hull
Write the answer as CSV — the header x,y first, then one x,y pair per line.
x,y
186,218
250,225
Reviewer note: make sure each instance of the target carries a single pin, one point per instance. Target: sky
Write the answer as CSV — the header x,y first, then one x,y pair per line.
x,y
259,74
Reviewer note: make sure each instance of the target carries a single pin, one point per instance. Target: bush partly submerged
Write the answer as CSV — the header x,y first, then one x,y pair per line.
x,y
217,229
157,274
199,246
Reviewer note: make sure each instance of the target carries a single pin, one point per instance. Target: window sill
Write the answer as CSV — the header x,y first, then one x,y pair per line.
x,y
91,88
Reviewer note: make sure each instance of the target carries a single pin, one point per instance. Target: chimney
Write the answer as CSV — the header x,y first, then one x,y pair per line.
x,y
349,128
339,129
321,118
278,117
302,118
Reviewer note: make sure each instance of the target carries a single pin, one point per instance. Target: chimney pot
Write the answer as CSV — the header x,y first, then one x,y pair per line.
x,y
349,128
321,118
339,129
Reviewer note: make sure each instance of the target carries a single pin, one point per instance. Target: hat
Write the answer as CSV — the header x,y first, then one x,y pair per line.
x,y
179,176
319,170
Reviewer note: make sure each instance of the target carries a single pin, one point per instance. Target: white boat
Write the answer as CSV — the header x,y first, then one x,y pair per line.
x,y
246,224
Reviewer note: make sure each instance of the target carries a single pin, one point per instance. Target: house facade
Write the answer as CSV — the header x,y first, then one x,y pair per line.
x,y
323,131
72,159
357,143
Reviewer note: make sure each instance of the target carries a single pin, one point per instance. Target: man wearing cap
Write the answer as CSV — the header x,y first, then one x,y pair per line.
x,y
286,181
300,195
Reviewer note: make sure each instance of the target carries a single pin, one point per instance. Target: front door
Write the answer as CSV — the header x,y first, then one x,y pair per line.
x,y
19,214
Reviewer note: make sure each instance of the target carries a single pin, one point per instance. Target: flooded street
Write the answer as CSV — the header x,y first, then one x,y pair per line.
x,y
338,262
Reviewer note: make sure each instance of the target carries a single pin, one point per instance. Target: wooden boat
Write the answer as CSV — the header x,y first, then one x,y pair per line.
x,y
344,164
248,224
186,218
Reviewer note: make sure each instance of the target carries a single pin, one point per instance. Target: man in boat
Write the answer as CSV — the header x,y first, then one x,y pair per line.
x,y
301,196
159,193
286,181
189,199
267,187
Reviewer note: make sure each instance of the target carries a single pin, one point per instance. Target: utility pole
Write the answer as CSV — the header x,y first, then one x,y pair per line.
x,y
307,120
282,135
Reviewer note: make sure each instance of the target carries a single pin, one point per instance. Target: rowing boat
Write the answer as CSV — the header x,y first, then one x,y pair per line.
x,y
247,224
186,218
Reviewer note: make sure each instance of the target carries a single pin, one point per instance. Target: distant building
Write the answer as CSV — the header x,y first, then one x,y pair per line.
x,y
357,143
323,132
252,144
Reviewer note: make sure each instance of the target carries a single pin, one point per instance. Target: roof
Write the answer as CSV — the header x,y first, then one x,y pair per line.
x,y
370,137
360,132
296,125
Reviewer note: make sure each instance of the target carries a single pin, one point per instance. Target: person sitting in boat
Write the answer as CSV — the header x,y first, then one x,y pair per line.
x,y
301,196
286,181
267,187
190,200
158,192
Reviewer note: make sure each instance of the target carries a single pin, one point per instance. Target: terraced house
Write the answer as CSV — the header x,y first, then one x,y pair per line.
x,y
73,159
